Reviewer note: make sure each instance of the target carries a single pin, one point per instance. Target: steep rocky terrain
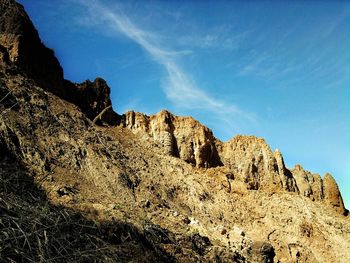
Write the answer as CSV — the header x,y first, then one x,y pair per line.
x,y
249,160
181,137
82,183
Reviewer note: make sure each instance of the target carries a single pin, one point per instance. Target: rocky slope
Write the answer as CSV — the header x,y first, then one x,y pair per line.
x,y
34,230
20,44
248,159
159,188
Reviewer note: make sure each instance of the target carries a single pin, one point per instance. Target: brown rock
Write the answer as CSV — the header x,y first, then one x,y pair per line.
x,y
332,194
252,161
317,189
4,57
310,185
21,46
110,172
25,49
96,96
181,137
262,252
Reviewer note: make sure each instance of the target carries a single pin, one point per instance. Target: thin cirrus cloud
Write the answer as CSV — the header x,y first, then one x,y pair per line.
x,y
178,86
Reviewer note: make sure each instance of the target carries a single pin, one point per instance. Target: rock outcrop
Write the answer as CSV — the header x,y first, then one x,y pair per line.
x,y
25,49
181,137
251,161
310,185
21,46
147,205
332,194
318,189
96,102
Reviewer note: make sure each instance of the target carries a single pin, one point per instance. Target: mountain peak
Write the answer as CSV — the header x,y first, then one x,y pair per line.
x,y
20,45
25,49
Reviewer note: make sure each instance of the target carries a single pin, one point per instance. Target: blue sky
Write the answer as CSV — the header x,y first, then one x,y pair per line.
x,y
274,69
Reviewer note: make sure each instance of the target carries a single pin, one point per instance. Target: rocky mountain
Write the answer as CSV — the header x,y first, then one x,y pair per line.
x,y
248,159
181,137
81,183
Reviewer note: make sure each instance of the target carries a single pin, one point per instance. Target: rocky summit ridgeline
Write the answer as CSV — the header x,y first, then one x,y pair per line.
x,y
81,183
249,159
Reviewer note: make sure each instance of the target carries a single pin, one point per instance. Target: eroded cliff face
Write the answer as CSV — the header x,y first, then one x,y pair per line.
x,y
181,194
310,185
318,189
332,194
96,105
21,49
182,137
251,160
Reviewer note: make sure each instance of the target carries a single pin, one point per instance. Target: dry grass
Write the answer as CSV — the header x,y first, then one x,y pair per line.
x,y
33,230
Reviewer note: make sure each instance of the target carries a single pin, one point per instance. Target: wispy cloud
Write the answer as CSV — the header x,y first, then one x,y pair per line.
x,y
217,38
178,85
299,55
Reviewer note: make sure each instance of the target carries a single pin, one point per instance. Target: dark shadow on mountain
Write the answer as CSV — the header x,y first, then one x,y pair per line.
x,y
34,230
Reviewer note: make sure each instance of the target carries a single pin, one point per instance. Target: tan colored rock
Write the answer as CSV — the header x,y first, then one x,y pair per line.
x,y
112,167
318,189
310,185
252,161
136,121
181,137
287,179
331,193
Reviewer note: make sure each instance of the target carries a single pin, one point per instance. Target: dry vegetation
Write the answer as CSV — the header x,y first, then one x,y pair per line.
x,y
34,230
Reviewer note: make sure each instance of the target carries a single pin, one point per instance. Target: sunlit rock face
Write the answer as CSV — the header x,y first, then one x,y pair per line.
x,y
318,189
252,161
182,137
309,184
332,194
249,160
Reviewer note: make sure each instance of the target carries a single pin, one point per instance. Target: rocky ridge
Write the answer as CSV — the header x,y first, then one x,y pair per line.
x,y
249,160
204,200
20,44
182,137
